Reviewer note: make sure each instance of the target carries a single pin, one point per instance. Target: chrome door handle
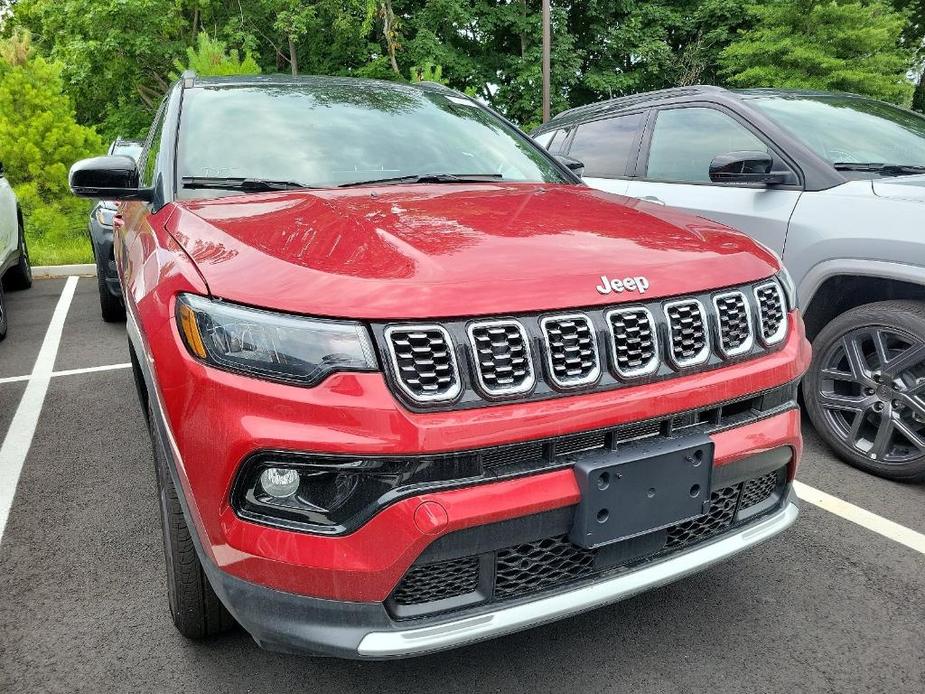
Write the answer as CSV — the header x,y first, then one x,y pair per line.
x,y
654,200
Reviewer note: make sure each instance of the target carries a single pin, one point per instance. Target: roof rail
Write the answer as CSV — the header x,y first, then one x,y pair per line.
x,y
188,76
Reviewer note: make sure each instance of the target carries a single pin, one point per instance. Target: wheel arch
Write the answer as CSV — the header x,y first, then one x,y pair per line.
x,y
839,288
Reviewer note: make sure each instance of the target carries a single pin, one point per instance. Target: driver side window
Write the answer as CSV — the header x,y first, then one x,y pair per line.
x,y
152,147
685,141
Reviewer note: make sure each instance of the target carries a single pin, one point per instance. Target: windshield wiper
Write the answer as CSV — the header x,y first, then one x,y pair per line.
x,y
428,178
882,169
248,185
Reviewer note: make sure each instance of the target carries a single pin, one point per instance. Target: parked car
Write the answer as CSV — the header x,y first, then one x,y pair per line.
x,y
15,270
100,227
412,385
835,183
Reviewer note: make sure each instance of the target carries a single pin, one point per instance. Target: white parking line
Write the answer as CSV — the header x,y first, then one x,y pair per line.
x,y
69,372
878,524
19,437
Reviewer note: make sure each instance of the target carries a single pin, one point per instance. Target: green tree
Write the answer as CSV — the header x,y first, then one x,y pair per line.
x,y
211,57
823,44
115,54
39,140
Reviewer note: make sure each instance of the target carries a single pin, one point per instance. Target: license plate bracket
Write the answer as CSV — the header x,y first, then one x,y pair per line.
x,y
641,488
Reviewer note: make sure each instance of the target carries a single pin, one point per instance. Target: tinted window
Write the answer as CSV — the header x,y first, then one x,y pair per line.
x,y
851,130
152,148
126,149
685,141
328,132
606,146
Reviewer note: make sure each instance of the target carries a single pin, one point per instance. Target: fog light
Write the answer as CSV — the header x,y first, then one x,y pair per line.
x,y
279,482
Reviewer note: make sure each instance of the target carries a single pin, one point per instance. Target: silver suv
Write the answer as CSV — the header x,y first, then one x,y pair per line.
x,y
835,184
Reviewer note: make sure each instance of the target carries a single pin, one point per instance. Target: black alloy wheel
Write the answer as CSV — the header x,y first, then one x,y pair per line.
x,y
865,391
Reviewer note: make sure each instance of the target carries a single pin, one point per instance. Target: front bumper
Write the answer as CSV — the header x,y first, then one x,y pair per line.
x,y
300,592
293,623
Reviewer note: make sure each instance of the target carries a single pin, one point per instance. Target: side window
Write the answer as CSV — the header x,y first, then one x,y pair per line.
x,y
606,146
544,139
559,138
685,141
152,147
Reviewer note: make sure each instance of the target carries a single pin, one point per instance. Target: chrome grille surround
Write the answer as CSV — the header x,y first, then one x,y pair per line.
x,y
409,374
687,323
513,357
576,334
772,312
733,307
633,348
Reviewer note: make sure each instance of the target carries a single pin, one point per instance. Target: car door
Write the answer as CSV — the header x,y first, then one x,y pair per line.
x,y
9,228
679,145
608,148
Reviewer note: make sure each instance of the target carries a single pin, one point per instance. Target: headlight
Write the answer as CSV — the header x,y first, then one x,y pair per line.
x,y
104,213
274,346
789,287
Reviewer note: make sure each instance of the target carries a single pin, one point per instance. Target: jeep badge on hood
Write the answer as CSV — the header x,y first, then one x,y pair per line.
x,y
639,284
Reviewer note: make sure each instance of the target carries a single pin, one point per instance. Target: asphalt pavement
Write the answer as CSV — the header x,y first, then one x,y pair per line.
x,y
829,606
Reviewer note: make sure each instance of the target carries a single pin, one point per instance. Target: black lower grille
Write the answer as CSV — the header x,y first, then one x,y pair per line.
x,y
537,565
552,561
722,511
440,581
757,490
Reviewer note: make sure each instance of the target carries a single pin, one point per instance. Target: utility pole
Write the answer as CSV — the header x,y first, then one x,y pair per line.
x,y
547,48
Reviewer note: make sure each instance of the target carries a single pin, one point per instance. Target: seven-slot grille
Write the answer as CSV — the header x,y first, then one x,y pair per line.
x,y
634,341
687,333
771,312
735,323
501,351
571,350
532,357
424,362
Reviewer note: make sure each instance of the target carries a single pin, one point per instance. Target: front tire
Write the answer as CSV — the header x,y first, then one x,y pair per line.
x,y
195,608
20,275
865,390
111,308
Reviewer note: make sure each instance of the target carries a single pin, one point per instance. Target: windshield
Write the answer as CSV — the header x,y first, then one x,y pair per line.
x,y
851,130
321,134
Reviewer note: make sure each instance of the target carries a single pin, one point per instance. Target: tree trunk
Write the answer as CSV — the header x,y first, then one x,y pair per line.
x,y
523,29
293,58
388,29
918,97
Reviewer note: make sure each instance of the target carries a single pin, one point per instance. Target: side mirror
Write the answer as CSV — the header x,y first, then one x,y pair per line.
x,y
745,167
109,178
573,165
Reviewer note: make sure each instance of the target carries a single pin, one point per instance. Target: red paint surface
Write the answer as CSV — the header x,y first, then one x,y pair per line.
x,y
429,251
408,252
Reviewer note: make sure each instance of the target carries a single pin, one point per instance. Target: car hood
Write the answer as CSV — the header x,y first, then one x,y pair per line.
x,y
903,188
421,251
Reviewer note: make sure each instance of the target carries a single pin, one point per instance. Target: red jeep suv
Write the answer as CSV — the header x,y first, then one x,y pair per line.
x,y
411,385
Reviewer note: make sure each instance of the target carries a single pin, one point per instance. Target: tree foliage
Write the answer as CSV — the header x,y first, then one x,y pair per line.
x,y
40,139
212,58
118,54
847,46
